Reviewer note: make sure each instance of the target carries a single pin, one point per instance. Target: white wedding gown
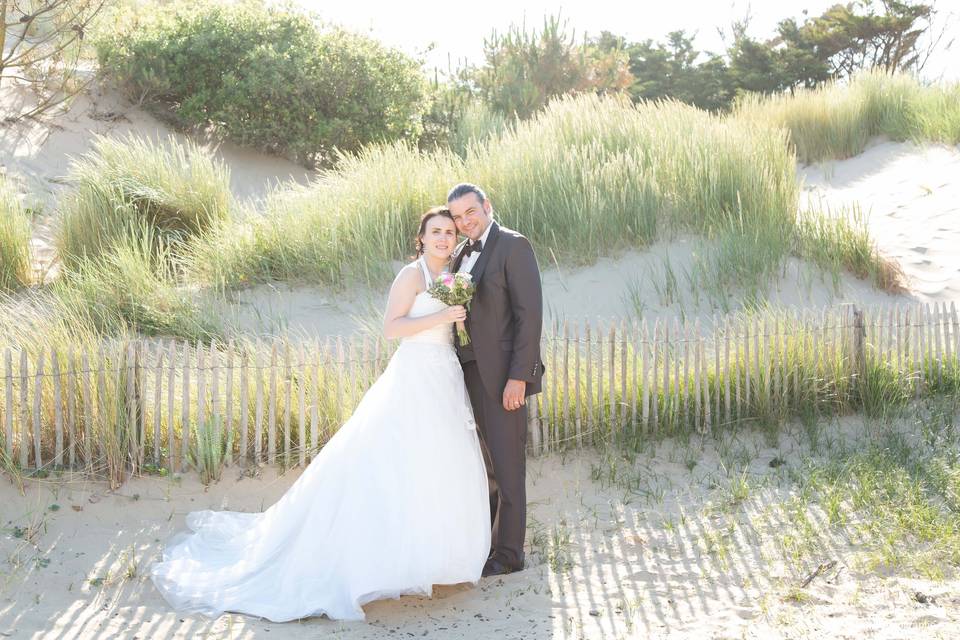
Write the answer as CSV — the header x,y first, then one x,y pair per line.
x,y
394,503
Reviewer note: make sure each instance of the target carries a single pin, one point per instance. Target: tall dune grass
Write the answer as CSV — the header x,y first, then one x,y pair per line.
x,y
14,239
837,121
131,183
839,240
586,177
134,288
349,223
477,123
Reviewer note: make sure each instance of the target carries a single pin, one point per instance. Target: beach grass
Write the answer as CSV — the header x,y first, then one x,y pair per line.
x,y
134,288
838,240
586,178
583,179
14,239
127,184
836,121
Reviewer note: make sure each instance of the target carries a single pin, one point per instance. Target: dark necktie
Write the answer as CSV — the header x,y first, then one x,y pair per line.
x,y
476,245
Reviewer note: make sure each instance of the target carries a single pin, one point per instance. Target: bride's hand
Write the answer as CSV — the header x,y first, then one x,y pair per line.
x,y
456,313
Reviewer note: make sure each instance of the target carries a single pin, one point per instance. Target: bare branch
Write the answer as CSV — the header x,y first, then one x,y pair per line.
x,y
42,48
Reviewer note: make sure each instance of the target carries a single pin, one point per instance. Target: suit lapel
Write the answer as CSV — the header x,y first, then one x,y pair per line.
x,y
458,256
485,252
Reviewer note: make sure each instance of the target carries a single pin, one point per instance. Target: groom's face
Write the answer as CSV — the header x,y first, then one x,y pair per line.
x,y
471,215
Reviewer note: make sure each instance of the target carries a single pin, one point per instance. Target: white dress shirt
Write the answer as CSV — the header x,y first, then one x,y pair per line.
x,y
470,260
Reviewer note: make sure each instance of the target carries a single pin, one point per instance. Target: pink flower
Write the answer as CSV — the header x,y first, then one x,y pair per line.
x,y
447,279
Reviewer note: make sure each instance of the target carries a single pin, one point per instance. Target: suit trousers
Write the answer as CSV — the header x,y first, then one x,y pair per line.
x,y
503,439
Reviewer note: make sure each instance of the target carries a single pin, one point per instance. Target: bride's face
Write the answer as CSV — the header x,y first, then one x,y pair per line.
x,y
439,237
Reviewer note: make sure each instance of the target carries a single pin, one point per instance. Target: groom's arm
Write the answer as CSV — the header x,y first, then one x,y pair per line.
x,y
526,303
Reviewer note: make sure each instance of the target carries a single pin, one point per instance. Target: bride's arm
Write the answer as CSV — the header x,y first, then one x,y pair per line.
x,y
396,323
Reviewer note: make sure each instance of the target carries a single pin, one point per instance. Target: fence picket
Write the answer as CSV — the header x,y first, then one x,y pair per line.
x,y
72,406
578,345
302,408
272,405
8,406
228,384
287,404
57,408
171,416
244,453
37,409
24,414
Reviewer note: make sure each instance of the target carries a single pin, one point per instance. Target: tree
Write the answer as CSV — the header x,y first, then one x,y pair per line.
x,y
524,70
756,66
41,45
850,42
671,70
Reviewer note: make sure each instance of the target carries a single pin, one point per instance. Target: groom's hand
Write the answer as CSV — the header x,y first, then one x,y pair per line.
x,y
514,395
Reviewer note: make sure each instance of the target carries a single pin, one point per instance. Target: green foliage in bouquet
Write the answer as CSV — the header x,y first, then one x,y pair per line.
x,y
455,289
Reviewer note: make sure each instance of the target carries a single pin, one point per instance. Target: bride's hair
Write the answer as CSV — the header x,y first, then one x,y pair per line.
x,y
432,212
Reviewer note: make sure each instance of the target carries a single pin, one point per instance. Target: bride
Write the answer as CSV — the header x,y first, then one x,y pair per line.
x,y
395,502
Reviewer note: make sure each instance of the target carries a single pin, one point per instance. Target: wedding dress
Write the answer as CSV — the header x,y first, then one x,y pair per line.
x,y
394,503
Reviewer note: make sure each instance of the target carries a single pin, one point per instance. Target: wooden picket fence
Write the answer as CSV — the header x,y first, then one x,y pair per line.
x,y
148,404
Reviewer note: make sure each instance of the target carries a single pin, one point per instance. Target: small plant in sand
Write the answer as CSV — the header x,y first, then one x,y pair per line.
x,y
208,449
9,468
112,429
559,553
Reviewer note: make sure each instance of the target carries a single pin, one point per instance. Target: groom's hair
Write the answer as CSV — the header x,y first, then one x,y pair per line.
x,y
463,189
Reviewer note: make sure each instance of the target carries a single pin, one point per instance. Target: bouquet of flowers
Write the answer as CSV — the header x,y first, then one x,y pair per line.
x,y
452,289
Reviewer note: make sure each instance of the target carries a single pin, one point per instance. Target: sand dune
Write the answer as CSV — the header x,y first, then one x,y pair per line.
x,y
38,153
911,195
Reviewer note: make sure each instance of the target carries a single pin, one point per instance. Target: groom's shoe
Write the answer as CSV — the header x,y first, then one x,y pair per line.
x,y
494,567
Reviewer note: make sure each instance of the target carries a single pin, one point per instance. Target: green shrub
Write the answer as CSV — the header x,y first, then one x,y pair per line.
x,y
125,185
267,78
14,239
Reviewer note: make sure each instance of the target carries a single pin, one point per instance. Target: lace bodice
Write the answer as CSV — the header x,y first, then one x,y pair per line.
x,y
425,304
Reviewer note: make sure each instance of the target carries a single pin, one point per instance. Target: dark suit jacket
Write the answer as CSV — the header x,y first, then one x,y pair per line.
x,y
506,313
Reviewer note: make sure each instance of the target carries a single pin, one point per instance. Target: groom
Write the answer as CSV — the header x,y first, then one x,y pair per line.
x,y
501,365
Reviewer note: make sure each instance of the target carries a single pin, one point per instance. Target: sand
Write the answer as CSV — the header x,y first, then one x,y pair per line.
x,y
621,287
630,559
911,197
